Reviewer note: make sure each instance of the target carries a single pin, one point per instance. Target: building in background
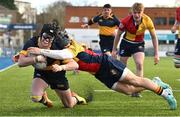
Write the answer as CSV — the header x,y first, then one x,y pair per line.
x,y
13,24
28,14
6,17
163,19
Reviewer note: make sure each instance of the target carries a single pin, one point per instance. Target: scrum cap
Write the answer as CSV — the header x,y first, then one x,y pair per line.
x,y
48,29
61,40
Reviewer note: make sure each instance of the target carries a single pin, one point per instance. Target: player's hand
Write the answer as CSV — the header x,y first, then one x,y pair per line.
x,y
114,53
156,60
85,26
173,29
56,68
15,58
34,50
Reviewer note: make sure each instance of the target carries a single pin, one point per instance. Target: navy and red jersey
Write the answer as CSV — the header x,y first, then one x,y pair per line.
x,y
89,61
135,32
105,68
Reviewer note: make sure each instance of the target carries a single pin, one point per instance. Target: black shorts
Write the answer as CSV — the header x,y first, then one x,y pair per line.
x,y
56,80
128,48
106,43
177,47
110,72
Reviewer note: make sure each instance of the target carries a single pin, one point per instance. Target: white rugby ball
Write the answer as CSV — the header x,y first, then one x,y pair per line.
x,y
39,65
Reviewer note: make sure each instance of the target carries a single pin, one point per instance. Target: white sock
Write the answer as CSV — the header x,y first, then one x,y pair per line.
x,y
165,93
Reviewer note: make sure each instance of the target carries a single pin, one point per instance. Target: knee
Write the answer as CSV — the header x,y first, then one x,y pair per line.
x,y
69,106
68,103
139,66
36,98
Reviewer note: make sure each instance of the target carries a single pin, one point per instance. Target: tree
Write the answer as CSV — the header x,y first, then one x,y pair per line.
x,y
54,11
8,4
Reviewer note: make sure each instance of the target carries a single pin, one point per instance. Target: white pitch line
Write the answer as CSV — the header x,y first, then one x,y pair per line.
x,y
178,79
114,91
8,67
104,91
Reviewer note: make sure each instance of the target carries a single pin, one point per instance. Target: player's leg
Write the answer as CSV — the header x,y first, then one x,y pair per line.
x,y
38,92
177,54
138,57
124,60
69,99
139,61
106,44
124,52
126,88
131,78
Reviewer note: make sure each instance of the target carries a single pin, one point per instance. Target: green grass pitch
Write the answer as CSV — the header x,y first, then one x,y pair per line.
x,y
15,85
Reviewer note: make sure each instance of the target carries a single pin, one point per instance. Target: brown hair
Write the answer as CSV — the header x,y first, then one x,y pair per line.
x,y
137,7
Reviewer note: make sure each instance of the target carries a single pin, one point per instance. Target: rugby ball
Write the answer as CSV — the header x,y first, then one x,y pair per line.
x,y
39,65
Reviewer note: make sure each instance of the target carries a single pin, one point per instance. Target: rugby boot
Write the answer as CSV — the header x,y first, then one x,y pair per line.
x,y
48,102
159,82
170,99
80,100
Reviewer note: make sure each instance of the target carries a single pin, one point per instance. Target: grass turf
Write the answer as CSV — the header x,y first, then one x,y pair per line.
x,y
15,85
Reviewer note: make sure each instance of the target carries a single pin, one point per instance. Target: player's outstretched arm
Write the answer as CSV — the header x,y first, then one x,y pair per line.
x,y
56,54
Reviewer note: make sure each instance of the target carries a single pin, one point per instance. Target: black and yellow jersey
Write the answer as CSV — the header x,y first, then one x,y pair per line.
x,y
75,47
107,26
33,42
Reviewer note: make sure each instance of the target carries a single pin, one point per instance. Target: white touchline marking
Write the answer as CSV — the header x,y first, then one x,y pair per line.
x,y
178,79
176,90
8,67
104,91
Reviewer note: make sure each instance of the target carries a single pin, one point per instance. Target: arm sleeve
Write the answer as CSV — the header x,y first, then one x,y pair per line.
x,y
29,43
58,54
94,20
122,24
117,21
150,25
67,53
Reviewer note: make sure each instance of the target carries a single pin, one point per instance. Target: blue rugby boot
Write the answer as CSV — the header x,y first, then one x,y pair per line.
x,y
167,94
159,82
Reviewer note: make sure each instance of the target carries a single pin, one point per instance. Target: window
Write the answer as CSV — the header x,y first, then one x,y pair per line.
x,y
160,21
74,19
171,20
162,42
171,42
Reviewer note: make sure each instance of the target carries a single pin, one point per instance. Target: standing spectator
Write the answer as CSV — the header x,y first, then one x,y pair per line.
x,y
134,26
177,47
107,22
